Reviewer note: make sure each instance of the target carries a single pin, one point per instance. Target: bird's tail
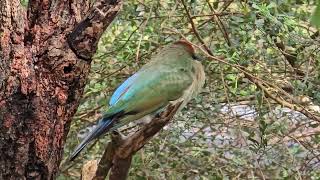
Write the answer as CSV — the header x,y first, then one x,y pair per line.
x,y
103,126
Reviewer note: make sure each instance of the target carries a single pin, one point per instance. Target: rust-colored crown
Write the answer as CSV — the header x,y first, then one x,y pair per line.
x,y
187,45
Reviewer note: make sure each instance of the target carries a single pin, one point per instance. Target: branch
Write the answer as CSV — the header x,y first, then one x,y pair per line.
x,y
194,28
219,23
83,40
291,57
258,82
284,103
120,150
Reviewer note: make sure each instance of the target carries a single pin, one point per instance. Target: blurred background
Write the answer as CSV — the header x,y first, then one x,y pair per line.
x,y
257,116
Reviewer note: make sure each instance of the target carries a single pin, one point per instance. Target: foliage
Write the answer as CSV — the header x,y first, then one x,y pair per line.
x,y
233,129
316,16
24,3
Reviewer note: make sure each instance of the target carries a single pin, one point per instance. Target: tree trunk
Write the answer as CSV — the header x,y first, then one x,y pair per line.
x,y
45,55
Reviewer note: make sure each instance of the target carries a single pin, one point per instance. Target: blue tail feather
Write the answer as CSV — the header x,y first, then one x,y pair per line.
x,y
103,126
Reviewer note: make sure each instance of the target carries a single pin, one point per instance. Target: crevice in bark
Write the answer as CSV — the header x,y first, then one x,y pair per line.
x,y
67,69
84,38
34,170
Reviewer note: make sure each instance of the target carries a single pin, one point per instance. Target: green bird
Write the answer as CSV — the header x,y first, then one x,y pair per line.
x,y
173,75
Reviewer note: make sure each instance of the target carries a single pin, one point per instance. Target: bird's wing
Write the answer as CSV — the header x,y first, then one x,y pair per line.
x,y
122,89
144,93
148,91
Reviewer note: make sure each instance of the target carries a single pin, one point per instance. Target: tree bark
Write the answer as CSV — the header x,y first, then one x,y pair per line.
x,y
45,55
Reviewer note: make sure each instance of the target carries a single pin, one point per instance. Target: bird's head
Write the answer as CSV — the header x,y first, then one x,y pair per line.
x,y
188,47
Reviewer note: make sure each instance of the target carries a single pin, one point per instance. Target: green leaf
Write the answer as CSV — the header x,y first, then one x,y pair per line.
x,y
315,19
24,3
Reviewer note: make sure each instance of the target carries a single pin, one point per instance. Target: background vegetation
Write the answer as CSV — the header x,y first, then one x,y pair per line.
x,y
258,115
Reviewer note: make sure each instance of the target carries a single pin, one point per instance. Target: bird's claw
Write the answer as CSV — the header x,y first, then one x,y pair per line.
x,y
115,132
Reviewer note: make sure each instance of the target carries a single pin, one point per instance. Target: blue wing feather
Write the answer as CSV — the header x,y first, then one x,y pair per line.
x,y
122,89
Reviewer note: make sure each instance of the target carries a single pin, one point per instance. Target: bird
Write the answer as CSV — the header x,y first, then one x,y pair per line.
x,y
174,75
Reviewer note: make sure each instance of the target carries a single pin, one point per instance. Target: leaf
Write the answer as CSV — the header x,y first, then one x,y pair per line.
x,y
315,19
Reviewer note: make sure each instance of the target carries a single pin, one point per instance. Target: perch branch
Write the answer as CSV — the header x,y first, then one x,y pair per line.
x,y
120,150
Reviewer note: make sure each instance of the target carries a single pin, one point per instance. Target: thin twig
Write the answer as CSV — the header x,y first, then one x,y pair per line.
x,y
194,28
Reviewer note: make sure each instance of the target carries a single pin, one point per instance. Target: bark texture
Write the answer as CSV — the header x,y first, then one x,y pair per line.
x,y
45,54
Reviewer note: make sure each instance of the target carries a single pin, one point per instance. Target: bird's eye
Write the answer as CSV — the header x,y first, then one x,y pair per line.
x,y
194,57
